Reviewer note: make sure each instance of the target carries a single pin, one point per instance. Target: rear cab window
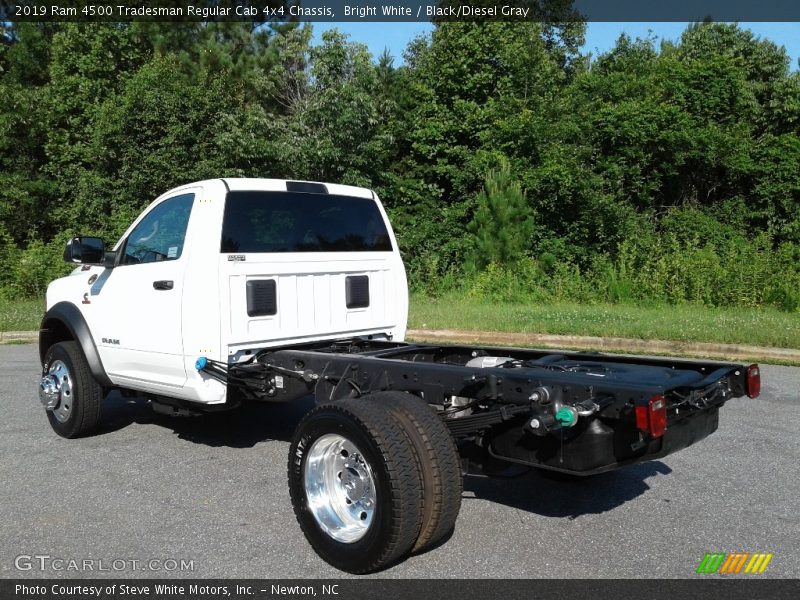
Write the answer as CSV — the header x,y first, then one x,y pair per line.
x,y
276,221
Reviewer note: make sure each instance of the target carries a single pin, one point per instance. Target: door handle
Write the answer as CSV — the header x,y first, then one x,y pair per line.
x,y
164,284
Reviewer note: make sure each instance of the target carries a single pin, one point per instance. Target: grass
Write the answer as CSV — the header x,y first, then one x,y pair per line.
x,y
686,323
20,315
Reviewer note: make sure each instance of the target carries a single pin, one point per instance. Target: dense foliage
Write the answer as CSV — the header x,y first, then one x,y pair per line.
x,y
513,167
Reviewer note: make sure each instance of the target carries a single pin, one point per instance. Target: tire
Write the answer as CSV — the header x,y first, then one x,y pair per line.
x,y
77,412
439,464
371,517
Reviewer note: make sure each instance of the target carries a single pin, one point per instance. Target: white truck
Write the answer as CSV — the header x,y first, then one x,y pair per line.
x,y
260,290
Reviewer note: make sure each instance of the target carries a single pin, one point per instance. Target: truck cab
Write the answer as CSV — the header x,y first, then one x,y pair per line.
x,y
226,267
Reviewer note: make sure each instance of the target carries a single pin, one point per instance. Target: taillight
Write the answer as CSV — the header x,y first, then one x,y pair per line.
x,y
652,417
642,418
753,381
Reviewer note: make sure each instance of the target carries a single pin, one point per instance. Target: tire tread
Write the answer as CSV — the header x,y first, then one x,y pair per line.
x,y
438,460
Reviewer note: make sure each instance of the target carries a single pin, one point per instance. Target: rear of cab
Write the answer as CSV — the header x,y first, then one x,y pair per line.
x,y
295,262
305,261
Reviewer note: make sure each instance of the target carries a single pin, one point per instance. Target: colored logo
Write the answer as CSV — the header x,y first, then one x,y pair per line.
x,y
734,563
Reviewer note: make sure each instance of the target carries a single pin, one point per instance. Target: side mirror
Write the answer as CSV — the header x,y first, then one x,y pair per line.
x,y
85,250
110,259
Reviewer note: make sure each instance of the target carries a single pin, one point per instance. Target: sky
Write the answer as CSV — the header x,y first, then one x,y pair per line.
x,y
599,36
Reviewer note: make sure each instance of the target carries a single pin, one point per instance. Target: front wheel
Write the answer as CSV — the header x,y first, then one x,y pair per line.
x,y
69,392
355,486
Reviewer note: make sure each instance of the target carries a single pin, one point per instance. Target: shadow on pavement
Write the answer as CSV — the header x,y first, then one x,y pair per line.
x,y
253,422
243,427
543,495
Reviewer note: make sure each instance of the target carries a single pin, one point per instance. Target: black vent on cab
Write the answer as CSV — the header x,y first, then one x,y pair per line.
x,y
261,298
357,290
306,187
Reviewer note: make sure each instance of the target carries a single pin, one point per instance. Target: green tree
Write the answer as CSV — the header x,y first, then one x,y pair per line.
x,y
471,92
648,169
26,192
331,130
161,130
503,223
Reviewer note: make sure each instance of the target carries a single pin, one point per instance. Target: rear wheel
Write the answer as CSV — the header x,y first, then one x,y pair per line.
x,y
69,392
354,485
439,464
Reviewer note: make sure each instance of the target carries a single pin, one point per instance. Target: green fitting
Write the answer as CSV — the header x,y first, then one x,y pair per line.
x,y
566,416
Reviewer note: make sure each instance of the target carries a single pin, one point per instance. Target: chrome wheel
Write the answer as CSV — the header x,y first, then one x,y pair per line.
x,y
340,488
355,484
56,390
70,394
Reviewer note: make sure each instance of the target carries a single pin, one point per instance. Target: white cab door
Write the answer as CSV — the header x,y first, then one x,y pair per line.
x,y
139,302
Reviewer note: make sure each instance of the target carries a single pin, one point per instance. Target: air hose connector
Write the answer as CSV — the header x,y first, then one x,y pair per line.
x,y
566,416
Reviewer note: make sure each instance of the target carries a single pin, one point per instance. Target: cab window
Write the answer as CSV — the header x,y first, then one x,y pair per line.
x,y
161,233
302,222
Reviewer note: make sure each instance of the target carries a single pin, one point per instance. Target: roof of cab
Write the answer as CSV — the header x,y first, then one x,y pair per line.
x,y
279,185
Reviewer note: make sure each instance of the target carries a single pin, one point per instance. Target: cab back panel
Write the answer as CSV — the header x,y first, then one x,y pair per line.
x,y
311,298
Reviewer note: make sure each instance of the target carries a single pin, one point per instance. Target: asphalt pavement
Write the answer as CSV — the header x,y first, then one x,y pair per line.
x,y
210,492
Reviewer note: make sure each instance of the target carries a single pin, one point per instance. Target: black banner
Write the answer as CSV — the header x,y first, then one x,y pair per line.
x,y
399,10
733,588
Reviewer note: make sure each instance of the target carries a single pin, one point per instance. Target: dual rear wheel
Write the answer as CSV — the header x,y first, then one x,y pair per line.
x,y
374,478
